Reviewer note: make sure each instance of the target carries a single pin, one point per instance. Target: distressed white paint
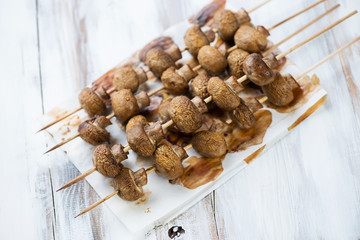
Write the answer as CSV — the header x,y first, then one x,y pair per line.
x,y
305,187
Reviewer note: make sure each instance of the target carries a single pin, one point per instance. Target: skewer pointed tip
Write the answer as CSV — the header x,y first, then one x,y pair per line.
x,y
62,143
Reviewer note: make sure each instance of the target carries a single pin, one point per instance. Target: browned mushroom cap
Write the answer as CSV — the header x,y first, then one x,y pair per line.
x,y
212,60
173,81
257,70
126,78
168,160
294,85
185,115
249,39
198,86
226,23
140,142
222,95
119,153
91,102
93,131
278,91
243,116
136,121
209,144
127,186
242,16
271,61
235,61
194,39
124,104
158,61
104,161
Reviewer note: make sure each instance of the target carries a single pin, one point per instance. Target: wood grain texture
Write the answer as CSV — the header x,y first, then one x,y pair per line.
x,y
305,187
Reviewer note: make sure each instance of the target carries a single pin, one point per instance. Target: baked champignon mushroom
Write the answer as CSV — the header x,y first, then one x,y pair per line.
x,y
235,62
158,61
212,60
257,70
126,78
243,116
198,86
105,161
279,92
173,81
226,23
271,61
136,121
163,110
294,85
194,39
222,95
129,184
184,114
249,39
93,130
91,102
209,144
242,16
126,105
168,160
143,138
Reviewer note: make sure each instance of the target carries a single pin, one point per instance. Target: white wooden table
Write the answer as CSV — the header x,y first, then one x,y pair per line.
x,y
306,187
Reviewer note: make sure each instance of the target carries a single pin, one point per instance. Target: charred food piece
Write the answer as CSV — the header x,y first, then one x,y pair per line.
x,y
279,92
235,61
249,39
105,162
257,70
126,105
226,23
91,102
144,137
129,187
173,81
198,86
212,60
209,144
194,39
168,160
243,116
158,61
185,114
126,78
225,98
93,131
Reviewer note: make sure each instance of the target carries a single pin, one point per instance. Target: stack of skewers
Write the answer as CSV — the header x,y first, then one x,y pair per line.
x,y
200,99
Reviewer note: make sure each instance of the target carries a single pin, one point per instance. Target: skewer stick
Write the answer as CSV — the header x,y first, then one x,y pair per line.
x,y
60,119
243,78
78,178
284,21
62,143
258,6
261,100
300,30
296,14
283,54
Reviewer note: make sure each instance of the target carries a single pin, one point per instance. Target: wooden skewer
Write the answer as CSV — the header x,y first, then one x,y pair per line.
x,y
285,20
243,78
262,100
296,14
300,30
78,178
258,6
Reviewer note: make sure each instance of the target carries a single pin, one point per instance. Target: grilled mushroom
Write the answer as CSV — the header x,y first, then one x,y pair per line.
x,y
235,62
194,39
198,86
158,61
257,70
129,188
226,23
209,144
212,60
185,115
222,95
279,92
126,78
168,160
250,39
93,131
105,161
243,116
173,81
91,102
